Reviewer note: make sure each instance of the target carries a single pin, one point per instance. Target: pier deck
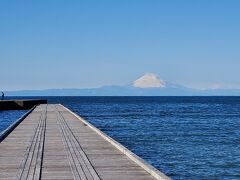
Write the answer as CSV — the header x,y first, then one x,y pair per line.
x,y
54,143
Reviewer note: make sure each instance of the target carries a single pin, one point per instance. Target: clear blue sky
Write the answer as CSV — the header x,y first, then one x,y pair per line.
x,y
64,44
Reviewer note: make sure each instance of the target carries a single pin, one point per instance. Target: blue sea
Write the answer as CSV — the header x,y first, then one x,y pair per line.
x,y
184,137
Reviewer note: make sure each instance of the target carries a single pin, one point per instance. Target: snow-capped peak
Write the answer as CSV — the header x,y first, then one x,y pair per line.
x,y
149,80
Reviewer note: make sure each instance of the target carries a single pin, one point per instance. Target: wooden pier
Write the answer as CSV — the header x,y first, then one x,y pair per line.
x,y
52,142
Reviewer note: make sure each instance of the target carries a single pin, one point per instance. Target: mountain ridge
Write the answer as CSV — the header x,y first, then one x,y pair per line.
x,y
147,85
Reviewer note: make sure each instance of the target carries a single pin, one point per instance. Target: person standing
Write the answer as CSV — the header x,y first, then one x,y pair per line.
x,y
2,95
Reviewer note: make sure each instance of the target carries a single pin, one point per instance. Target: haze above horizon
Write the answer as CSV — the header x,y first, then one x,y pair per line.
x,y
77,44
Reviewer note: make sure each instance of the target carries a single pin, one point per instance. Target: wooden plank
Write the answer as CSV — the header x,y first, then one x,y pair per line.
x,y
30,167
82,164
55,162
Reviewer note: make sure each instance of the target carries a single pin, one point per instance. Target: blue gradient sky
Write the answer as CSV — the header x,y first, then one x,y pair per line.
x,y
64,44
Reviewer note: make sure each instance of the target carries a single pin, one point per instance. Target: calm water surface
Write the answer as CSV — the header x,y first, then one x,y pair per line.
x,y
9,117
184,137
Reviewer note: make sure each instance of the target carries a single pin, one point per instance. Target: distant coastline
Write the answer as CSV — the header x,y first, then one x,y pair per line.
x,y
125,91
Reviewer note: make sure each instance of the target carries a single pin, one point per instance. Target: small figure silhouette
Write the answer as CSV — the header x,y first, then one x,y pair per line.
x,y
2,95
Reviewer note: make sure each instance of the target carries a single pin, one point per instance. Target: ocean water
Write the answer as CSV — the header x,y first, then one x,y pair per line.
x,y
184,137
9,117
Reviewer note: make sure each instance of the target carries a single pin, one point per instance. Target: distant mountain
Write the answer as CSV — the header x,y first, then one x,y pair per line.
x,y
149,80
147,85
